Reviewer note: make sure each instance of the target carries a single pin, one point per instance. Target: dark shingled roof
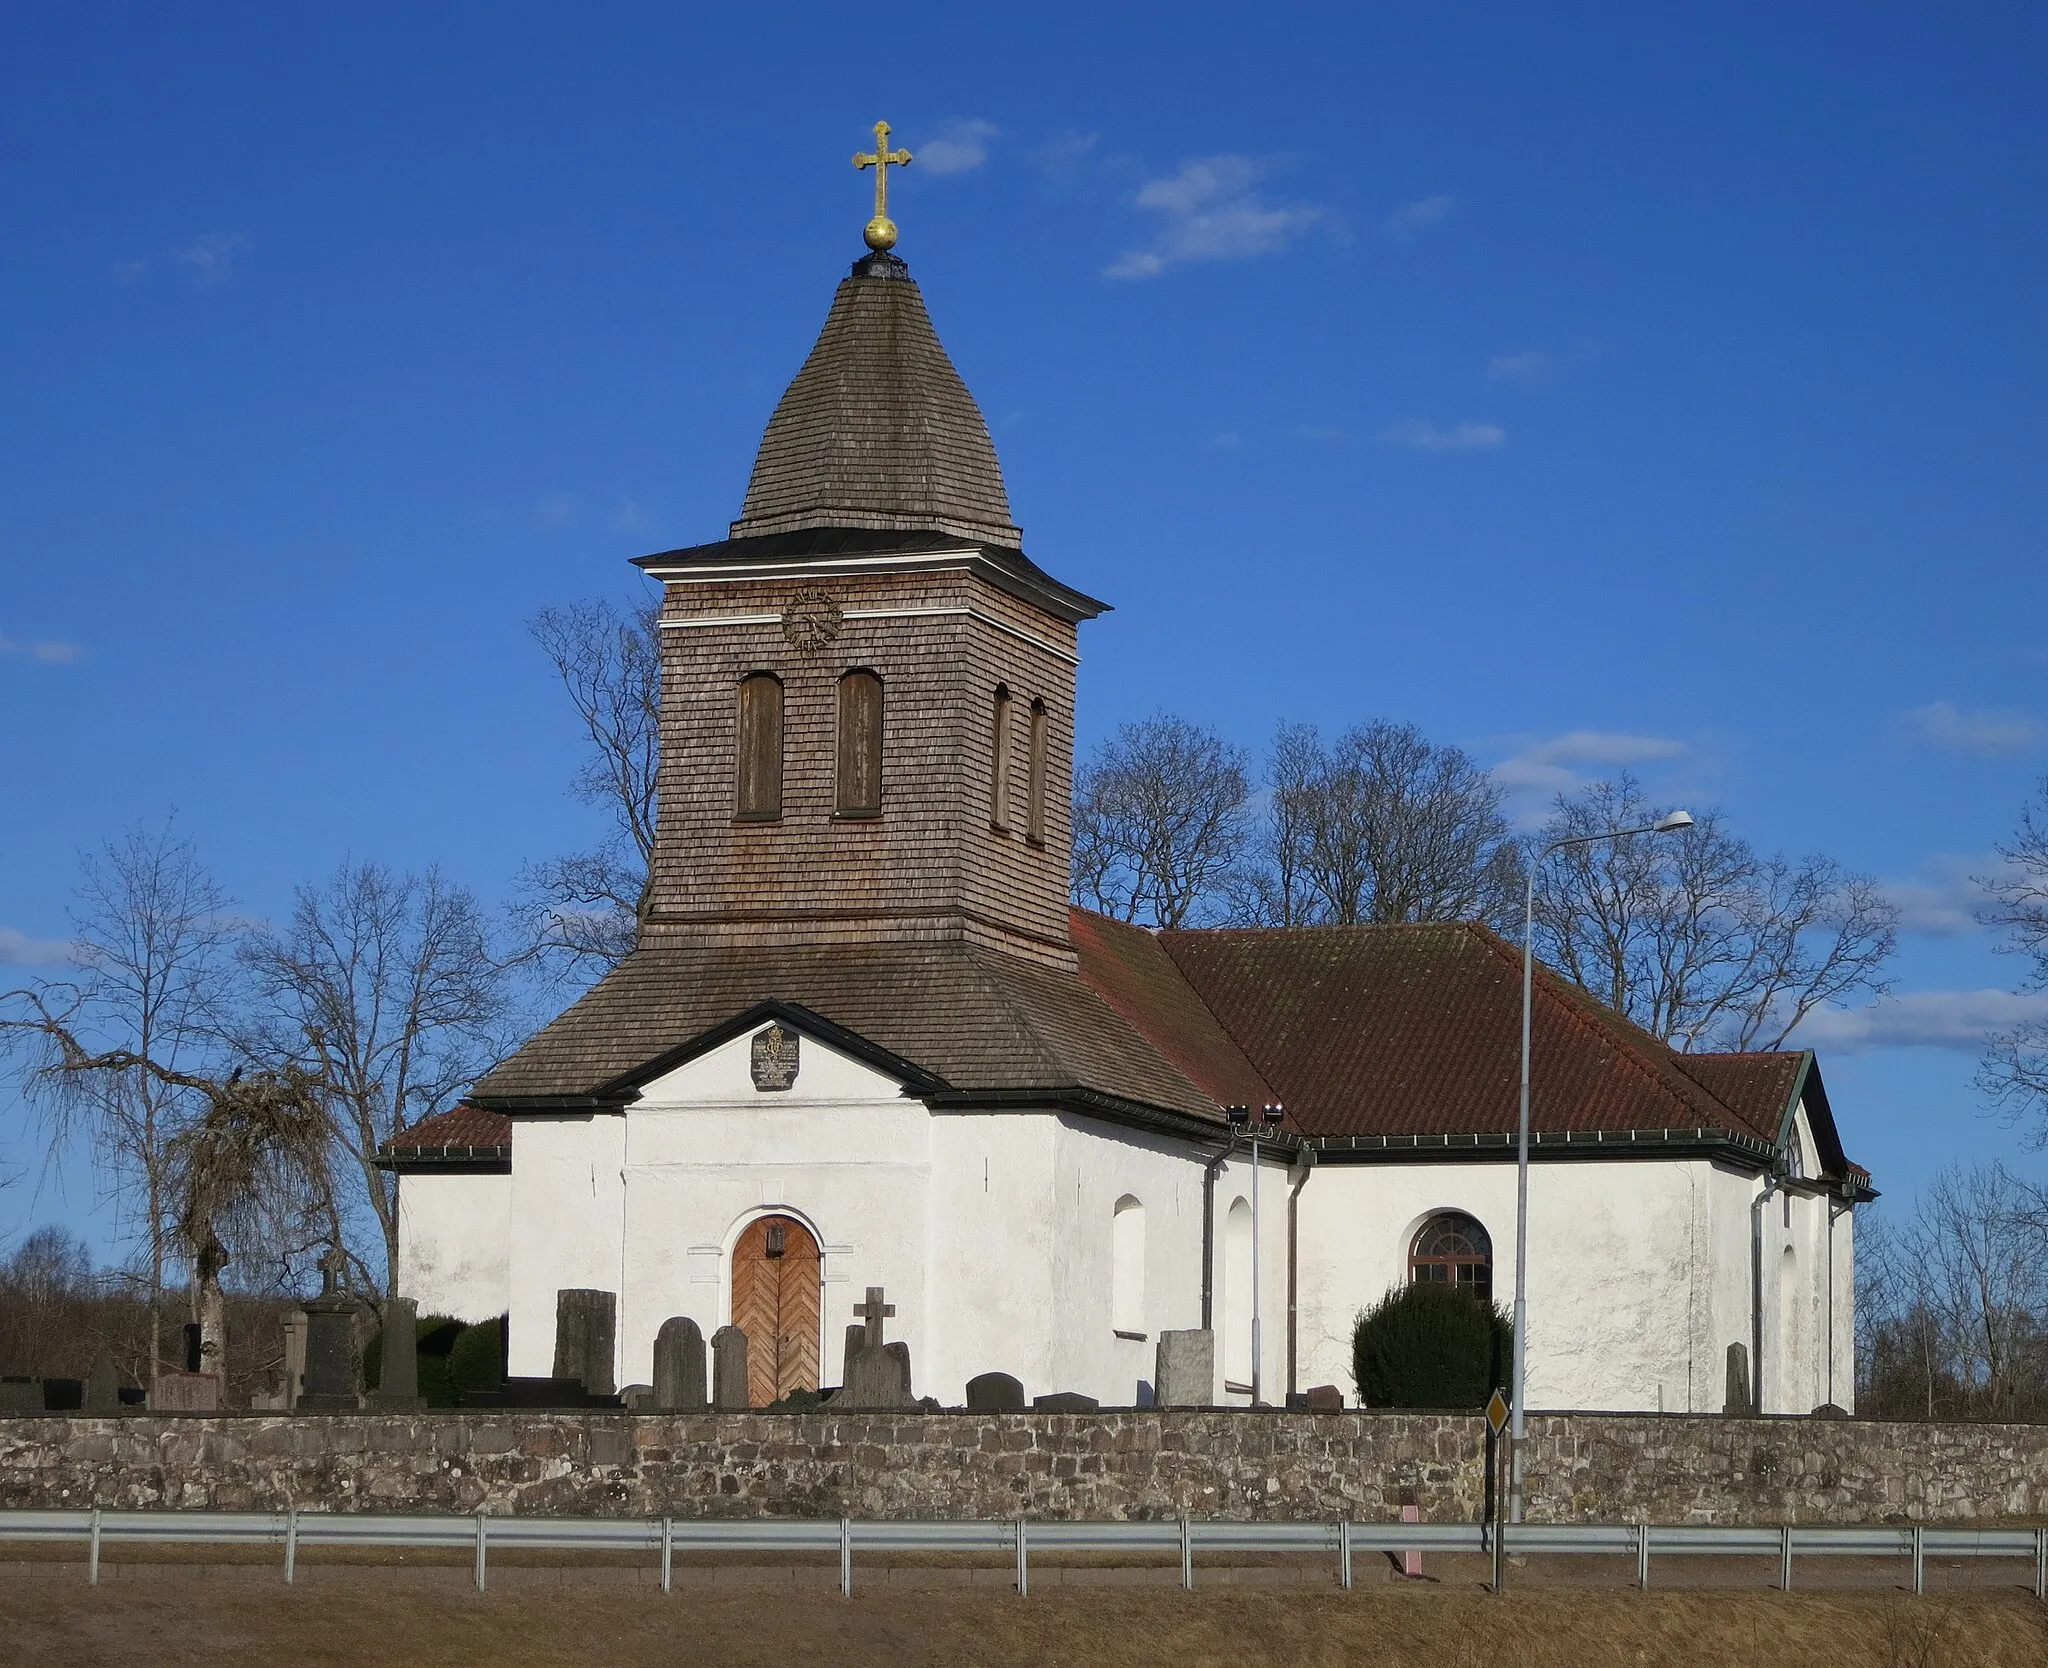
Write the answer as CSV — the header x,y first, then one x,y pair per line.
x,y
976,1023
878,430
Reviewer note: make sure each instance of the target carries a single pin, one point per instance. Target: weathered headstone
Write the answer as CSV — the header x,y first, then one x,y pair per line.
x,y
729,1370
398,1386
1323,1398
1186,1372
184,1393
1832,1410
1064,1401
679,1367
334,1365
637,1398
103,1386
1738,1403
877,1374
994,1393
294,1379
585,1327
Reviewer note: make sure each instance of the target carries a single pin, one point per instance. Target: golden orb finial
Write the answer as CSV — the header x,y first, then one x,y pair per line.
x,y
880,232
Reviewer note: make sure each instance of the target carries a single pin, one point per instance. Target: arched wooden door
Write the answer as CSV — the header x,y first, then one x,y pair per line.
x,y
775,1298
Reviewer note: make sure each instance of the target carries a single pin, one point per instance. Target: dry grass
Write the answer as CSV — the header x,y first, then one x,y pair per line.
x,y
351,1617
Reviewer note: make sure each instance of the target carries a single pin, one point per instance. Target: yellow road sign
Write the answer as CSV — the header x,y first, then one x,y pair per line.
x,y
1497,1412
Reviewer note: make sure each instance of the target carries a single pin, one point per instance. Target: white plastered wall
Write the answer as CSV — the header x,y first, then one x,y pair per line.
x,y
454,1242
1231,1307
565,1223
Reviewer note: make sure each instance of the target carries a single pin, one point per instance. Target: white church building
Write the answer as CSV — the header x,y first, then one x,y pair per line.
x,y
865,1041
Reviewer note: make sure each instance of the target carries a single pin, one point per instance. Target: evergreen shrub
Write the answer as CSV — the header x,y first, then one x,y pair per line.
x,y
1430,1344
477,1360
434,1336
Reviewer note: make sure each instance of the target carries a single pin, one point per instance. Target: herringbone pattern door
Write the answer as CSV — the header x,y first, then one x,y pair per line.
x,y
775,1298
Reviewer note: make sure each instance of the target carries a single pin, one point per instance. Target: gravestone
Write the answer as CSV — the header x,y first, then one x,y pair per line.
x,y
679,1367
637,1398
1186,1372
1064,1401
585,1326
103,1386
184,1393
1738,1404
1323,1398
398,1384
334,1365
877,1374
994,1393
729,1370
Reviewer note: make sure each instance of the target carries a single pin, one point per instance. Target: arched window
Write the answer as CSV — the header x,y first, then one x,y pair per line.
x,y
1236,1342
760,763
1034,822
999,764
1127,1267
1454,1249
860,745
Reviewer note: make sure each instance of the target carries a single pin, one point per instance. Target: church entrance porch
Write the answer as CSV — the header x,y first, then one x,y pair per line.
x,y
776,1299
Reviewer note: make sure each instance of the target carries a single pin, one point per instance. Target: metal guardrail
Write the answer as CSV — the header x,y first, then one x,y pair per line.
x,y
1017,1537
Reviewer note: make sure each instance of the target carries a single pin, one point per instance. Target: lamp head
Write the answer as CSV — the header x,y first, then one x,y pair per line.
x,y
1273,1114
1239,1116
1672,822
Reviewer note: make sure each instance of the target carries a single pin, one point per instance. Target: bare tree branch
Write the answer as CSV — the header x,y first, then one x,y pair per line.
x,y
1160,822
2013,1074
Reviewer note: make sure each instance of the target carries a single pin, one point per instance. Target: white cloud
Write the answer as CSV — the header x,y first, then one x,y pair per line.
x,y
1955,1019
1526,366
958,147
1944,903
1410,220
1988,732
1557,765
209,258
17,949
1210,211
1458,437
47,652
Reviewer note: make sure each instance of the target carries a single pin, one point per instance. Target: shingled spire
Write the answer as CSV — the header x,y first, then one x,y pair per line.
x,y
878,431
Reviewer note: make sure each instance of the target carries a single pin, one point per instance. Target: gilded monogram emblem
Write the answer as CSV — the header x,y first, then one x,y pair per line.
x,y
811,620
775,1058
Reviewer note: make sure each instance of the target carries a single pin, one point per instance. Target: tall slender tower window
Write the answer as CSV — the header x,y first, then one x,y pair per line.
x,y
860,745
1034,823
999,764
759,798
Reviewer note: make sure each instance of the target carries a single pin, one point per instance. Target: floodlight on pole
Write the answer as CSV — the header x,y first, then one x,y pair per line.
x,y
1672,822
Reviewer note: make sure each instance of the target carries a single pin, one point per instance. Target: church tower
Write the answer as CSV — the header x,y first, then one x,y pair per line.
x,y
867,687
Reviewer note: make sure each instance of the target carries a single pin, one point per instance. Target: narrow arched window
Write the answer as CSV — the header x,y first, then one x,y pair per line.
x,y
1453,1249
860,745
759,798
999,764
1127,1267
1034,822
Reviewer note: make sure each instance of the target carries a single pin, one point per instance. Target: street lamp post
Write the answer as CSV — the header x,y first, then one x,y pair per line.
x,y
1240,1120
1671,823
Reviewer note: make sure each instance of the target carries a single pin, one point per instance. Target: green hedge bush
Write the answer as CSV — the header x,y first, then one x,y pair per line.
x,y
434,1337
477,1362
1430,1344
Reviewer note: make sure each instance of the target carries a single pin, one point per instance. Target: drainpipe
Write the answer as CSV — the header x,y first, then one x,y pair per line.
x,y
1833,1216
1209,1233
1298,1173
1756,1290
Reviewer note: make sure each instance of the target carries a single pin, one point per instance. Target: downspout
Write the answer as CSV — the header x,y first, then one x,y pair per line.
x,y
1209,1232
1756,1290
1833,1216
1298,1172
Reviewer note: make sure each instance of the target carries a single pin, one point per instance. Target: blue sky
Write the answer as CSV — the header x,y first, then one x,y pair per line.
x,y
1593,385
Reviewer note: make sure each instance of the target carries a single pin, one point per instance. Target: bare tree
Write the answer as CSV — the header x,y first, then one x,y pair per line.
x,y
1697,938
588,906
1161,820
114,1058
383,989
1382,826
2014,1070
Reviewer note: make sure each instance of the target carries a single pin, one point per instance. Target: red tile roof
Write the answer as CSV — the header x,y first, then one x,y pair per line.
x,y
463,1130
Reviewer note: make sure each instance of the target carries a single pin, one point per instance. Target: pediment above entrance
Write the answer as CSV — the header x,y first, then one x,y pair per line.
x,y
773,1058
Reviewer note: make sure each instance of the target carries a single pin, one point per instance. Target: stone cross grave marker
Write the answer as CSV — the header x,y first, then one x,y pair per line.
x,y
877,1373
586,1321
729,1370
679,1367
334,1366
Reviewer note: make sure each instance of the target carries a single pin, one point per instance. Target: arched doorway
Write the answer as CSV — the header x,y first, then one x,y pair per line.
x,y
775,1297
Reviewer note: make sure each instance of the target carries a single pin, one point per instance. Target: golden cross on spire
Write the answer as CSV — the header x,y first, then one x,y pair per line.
x,y
880,232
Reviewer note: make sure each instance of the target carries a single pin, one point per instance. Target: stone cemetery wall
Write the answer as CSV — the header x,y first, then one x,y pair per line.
x,y
1112,1464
